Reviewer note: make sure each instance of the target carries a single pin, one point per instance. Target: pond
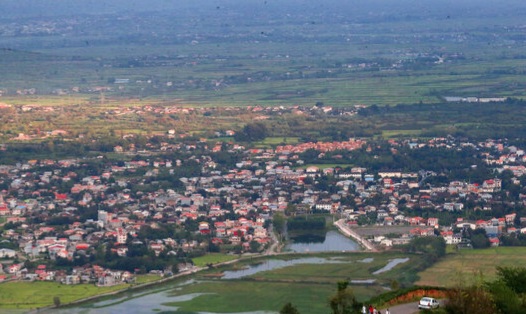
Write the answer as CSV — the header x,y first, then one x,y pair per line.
x,y
392,263
333,241
274,264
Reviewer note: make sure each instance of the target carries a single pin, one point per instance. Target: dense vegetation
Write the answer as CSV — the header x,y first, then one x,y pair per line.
x,y
506,294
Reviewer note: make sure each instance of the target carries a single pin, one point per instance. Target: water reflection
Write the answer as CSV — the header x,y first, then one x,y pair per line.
x,y
392,263
149,301
333,241
274,264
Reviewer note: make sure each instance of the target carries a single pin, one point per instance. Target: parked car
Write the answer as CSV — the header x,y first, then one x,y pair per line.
x,y
428,303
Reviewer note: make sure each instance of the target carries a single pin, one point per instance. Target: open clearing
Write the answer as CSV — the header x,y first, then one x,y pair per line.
x,y
469,265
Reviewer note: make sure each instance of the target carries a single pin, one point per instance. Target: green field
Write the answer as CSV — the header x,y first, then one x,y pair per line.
x,y
325,166
213,258
469,265
147,278
273,141
400,133
243,296
33,295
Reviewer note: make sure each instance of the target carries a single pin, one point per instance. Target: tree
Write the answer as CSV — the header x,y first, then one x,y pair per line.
x,y
56,301
513,277
509,289
344,301
506,300
251,132
474,299
289,309
254,246
479,239
279,223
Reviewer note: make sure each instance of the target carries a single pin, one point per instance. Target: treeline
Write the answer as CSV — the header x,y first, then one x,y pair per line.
x,y
472,120
305,223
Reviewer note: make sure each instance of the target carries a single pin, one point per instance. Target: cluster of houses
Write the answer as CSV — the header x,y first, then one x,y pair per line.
x,y
230,207
87,274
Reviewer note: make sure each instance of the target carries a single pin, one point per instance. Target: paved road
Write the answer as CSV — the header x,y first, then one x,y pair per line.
x,y
408,308
346,230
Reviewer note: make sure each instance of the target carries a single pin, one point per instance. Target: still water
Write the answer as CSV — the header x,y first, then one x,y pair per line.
x,y
332,242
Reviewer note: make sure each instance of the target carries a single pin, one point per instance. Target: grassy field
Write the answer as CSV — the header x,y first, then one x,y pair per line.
x,y
273,141
325,166
256,296
471,265
147,278
400,133
212,259
32,295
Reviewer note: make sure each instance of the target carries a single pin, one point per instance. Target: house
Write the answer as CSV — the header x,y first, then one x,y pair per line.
x,y
432,222
7,253
72,280
323,206
494,241
14,268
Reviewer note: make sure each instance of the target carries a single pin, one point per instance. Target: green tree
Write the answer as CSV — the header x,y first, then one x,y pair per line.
x,y
289,309
254,246
506,300
344,301
279,223
513,277
252,132
56,301
480,241
509,290
474,299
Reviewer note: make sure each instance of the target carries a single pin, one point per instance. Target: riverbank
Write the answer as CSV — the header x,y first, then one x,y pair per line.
x,y
49,309
346,230
272,250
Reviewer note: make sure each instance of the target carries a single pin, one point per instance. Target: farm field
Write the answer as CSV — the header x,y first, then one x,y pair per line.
x,y
471,265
